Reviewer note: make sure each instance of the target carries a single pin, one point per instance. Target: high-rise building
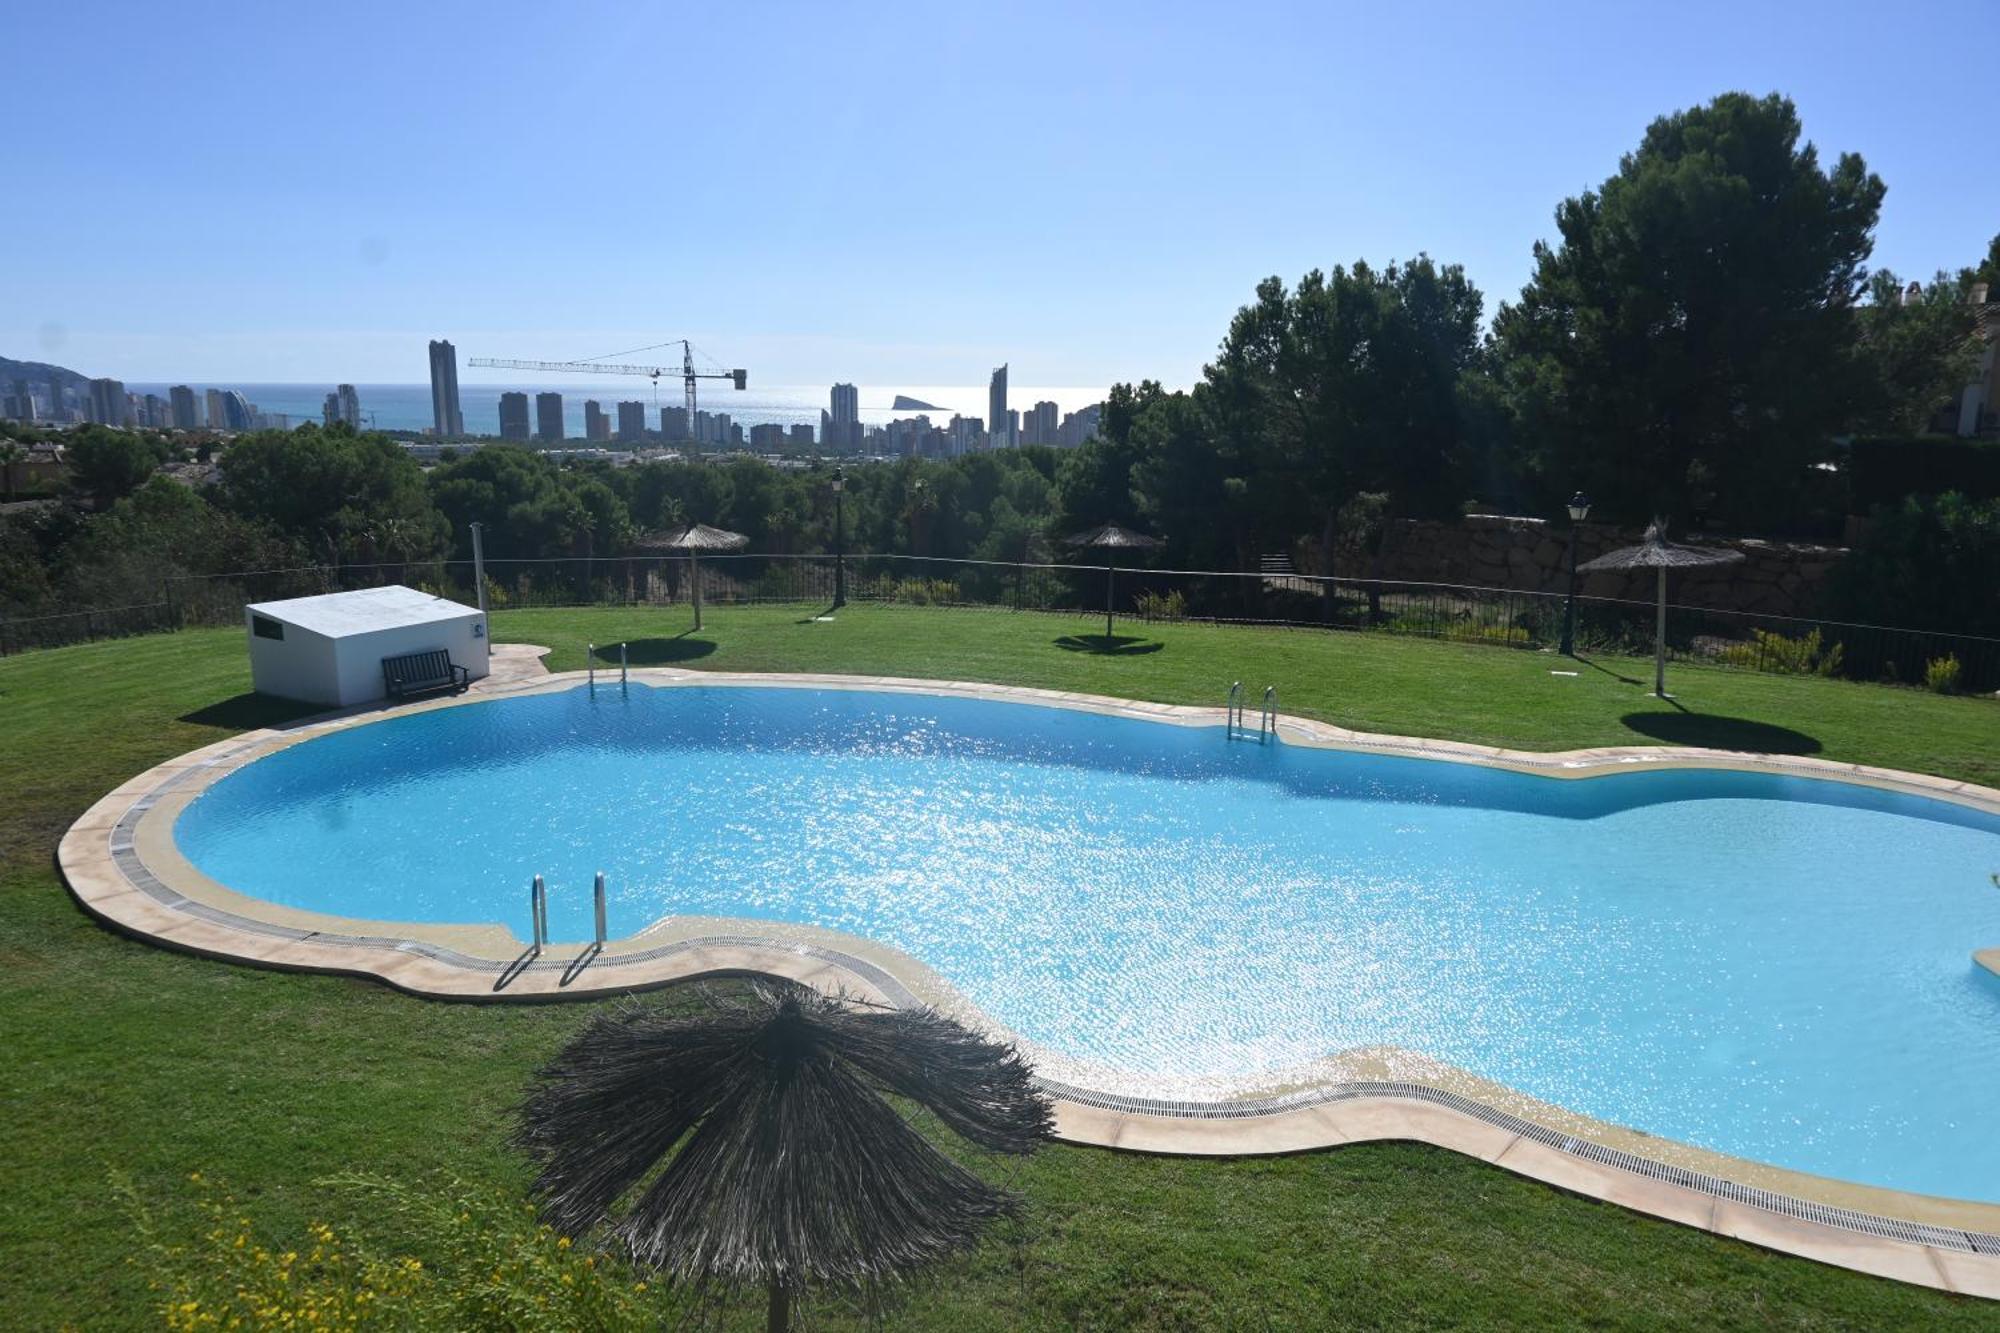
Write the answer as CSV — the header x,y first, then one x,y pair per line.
x,y
218,416
513,416
1040,425
1079,426
22,407
673,424
964,434
632,422
446,418
596,426
996,408
237,411
343,404
548,418
107,403
846,406
182,399
156,414
802,436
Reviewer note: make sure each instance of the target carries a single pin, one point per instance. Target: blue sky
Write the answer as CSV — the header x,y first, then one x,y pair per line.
x,y
883,193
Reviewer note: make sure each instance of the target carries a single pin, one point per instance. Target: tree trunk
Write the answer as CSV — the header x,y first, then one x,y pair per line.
x,y
778,1317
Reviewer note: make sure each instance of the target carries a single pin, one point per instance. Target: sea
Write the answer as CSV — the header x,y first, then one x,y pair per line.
x,y
407,407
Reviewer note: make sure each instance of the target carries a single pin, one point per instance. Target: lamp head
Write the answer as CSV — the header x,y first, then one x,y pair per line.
x,y
1579,507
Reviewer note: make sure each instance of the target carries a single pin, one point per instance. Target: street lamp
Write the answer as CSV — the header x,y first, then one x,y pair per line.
x,y
839,542
1579,510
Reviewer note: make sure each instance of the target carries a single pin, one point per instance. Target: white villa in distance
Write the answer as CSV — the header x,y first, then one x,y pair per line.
x,y
329,649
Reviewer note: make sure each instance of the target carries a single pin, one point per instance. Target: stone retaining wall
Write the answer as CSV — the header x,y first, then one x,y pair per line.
x,y
1532,555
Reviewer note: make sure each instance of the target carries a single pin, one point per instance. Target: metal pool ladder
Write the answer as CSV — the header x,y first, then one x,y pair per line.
x,y
1237,725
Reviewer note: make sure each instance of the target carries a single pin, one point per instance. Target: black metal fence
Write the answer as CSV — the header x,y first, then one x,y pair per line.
x,y
1496,616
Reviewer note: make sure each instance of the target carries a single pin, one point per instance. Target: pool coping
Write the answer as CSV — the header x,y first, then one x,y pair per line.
x,y
119,862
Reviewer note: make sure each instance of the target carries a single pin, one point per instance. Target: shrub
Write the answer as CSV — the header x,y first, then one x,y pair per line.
x,y
467,1258
924,592
1941,674
1462,630
1152,605
1770,651
1930,563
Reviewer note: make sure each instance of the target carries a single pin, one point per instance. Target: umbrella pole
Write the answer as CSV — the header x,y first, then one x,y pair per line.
x,y
1110,574
1660,639
694,577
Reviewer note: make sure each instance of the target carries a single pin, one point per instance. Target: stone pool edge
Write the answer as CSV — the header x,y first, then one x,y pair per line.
x,y
119,862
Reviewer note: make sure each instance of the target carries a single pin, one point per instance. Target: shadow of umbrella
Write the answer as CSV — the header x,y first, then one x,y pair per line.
x,y
660,652
1117,645
1721,733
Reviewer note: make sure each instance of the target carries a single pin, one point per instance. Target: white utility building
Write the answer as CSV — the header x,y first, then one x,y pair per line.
x,y
329,649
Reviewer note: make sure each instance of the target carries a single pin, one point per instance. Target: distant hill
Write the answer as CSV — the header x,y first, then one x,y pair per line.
x,y
905,403
39,372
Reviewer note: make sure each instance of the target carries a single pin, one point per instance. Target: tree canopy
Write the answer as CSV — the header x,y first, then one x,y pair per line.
x,y
1688,346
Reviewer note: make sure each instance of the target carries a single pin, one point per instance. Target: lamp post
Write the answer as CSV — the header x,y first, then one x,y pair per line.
x,y
1579,509
839,542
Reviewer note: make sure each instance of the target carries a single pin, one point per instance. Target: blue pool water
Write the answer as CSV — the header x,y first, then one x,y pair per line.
x,y
1772,967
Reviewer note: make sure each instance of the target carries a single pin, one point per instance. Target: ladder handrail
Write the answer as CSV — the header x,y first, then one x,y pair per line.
x,y
1233,721
1269,721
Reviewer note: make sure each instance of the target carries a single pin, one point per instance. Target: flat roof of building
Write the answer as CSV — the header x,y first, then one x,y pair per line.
x,y
338,614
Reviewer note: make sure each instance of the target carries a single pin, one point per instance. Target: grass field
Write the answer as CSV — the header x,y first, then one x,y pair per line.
x,y
124,1057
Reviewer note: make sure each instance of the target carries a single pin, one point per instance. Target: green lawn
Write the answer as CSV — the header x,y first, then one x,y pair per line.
x,y
125,1057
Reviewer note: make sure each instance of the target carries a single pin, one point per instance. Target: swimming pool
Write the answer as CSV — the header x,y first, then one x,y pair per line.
x,y
1768,966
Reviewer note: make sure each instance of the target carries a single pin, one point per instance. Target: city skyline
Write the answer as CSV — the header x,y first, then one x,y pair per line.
x,y
1124,262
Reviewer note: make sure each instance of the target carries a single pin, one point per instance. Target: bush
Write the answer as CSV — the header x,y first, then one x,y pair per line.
x,y
924,592
467,1258
1151,605
1941,674
1930,563
1462,630
1773,652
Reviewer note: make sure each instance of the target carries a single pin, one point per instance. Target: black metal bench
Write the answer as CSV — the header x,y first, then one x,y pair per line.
x,y
420,673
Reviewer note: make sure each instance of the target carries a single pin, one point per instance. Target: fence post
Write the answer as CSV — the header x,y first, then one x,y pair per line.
x,y
479,567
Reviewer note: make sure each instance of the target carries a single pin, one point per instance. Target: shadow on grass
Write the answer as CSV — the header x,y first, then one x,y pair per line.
x,y
1115,645
247,712
1721,733
1586,662
659,652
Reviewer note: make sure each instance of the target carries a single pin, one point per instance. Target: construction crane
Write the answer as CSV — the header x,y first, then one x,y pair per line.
x,y
605,366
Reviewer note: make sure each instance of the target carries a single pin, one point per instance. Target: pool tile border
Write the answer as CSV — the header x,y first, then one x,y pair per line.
x,y
1953,1245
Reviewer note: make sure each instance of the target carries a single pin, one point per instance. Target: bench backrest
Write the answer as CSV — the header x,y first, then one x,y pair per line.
x,y
432,665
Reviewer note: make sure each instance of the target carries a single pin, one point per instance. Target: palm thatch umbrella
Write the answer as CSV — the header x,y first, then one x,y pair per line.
x,y
691,541
791,1170
1111,539
1657,553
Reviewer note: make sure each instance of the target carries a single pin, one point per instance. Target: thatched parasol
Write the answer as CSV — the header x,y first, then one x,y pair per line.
x,y
1657,553
1111,539
791,1168
691,541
